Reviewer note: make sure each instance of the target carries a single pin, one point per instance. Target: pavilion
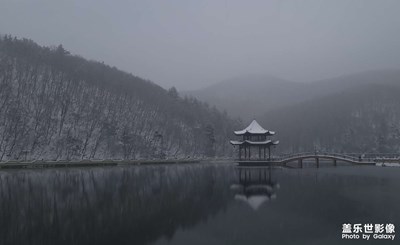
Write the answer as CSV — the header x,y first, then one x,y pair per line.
x,y
254,136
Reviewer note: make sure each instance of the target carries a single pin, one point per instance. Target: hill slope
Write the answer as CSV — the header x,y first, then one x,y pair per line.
x,y
54,105
250,96
365,118
353,113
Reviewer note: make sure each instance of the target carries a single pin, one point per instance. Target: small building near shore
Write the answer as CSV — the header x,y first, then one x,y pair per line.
x,y
257,138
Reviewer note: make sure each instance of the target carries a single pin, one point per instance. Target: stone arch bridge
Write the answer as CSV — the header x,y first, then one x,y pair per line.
x,y
352,158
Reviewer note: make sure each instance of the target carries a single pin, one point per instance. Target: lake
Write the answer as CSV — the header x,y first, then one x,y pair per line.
x,y
195,204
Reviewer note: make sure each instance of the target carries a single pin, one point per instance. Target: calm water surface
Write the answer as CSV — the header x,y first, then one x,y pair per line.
x,y
195,204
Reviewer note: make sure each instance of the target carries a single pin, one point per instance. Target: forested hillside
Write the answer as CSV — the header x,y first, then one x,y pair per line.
x,y
54,105
363,119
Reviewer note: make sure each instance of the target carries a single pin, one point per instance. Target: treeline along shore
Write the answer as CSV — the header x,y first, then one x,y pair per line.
x,y
91,163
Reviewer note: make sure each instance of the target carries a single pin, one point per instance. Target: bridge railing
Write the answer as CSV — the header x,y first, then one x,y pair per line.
x,y
356,157
349,156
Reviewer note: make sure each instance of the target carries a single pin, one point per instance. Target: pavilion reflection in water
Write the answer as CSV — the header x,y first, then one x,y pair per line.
x,y
255,186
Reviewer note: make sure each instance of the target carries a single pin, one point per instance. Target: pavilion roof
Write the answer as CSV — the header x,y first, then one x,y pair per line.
x,y
249,142
254,128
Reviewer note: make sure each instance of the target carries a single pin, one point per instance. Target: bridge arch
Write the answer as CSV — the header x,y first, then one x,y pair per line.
x,y
334,157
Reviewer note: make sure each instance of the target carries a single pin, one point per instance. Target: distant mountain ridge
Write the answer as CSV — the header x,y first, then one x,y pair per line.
x,y
247,97
353,81
352,113
365,119
250,96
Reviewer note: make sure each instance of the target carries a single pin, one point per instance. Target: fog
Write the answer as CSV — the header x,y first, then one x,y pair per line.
x,y
192,44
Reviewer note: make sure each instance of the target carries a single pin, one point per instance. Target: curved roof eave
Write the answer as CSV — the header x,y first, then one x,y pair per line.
x,y
266,142
242,132
254,128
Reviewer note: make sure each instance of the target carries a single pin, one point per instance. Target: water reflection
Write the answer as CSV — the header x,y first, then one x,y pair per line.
x,y
309,207
193,204
255,186
132,205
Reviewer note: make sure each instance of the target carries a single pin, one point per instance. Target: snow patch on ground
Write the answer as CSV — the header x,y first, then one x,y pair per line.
x,y
388,164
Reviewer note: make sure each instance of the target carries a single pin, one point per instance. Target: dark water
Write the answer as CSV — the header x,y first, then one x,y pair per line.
x,y
195,204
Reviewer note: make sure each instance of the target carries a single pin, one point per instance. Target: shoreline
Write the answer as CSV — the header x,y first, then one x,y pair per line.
x,y
42,164
39,164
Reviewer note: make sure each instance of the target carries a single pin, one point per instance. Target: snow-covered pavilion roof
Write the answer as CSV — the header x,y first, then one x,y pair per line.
x,y
254,128
265,142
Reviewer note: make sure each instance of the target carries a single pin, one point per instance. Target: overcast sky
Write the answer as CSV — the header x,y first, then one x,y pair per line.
x,y
194,43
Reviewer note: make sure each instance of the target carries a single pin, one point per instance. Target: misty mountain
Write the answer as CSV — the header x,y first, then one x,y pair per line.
x,y
352,113
353,81
365,118
55,105
250,96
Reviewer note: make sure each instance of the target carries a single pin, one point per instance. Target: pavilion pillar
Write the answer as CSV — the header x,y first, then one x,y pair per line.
x,y
269,153
240,152
334,162
317,159
249,152
265,149
259,152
